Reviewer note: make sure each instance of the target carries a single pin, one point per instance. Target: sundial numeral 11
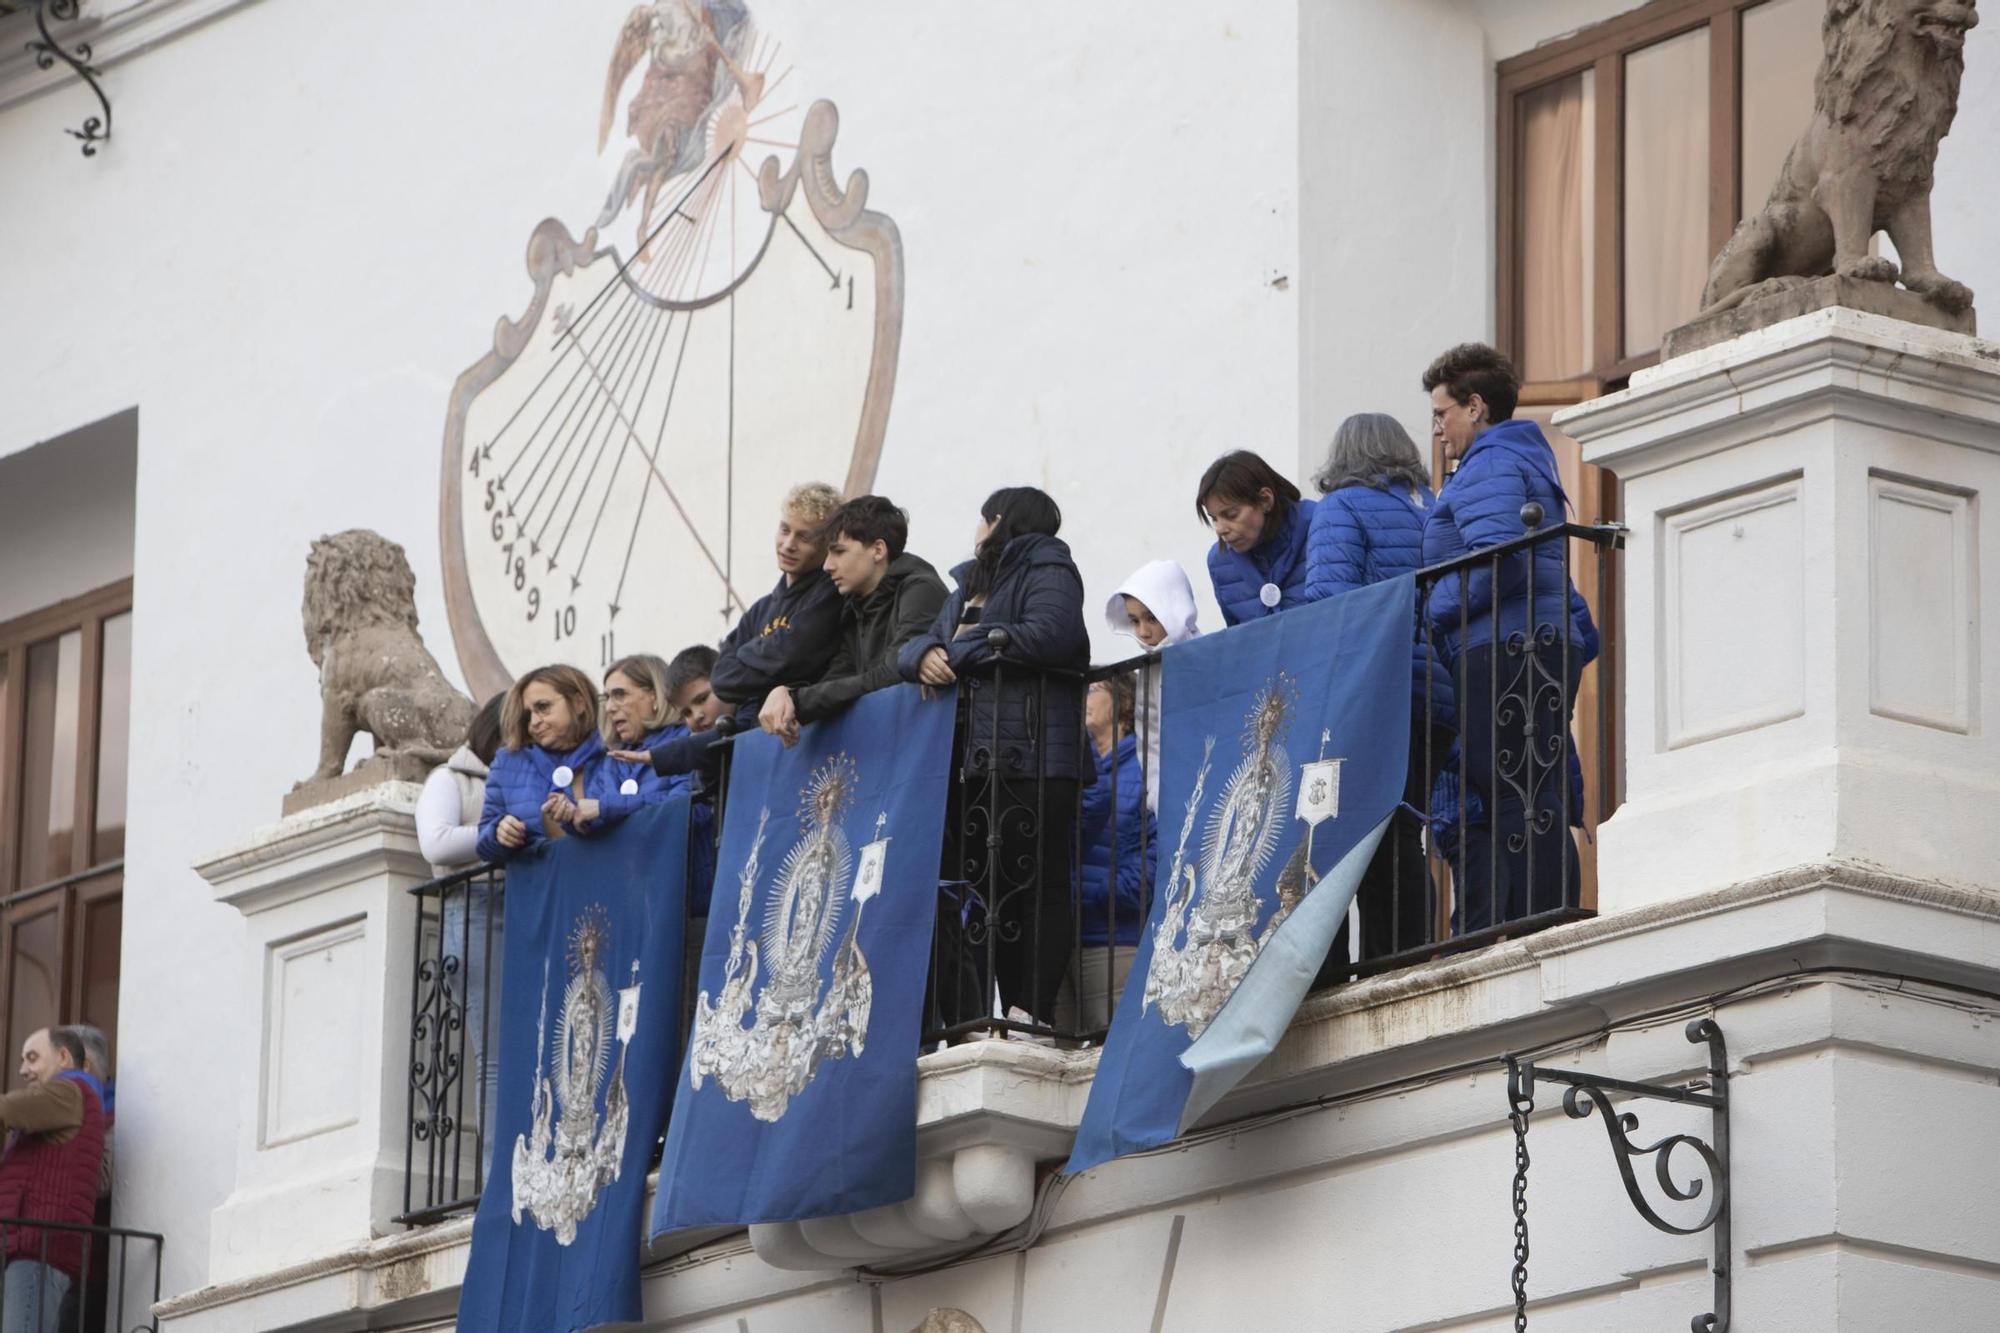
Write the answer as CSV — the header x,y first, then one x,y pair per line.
x,y
605,649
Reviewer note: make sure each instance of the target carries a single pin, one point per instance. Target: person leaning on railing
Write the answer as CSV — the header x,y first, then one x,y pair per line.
x,y
1155,605
1258,563
1367,527
1121,847
1027,743
1514,663
786,637
549,741
55,1150
888,596
638,715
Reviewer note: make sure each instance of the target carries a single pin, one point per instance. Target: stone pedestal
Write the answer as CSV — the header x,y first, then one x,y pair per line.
x,y
1805,645
323,1109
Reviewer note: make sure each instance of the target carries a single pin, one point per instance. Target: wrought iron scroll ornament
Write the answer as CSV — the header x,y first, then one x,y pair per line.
x,y
48,49
1586,1093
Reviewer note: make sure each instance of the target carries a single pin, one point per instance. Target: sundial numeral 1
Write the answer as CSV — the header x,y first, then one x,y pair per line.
x,y
606,651
850,291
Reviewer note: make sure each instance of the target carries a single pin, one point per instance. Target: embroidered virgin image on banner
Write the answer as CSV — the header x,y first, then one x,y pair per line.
x,y
1284,748
798,1096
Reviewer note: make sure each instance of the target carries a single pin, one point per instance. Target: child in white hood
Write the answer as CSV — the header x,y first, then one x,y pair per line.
x,y
1155,605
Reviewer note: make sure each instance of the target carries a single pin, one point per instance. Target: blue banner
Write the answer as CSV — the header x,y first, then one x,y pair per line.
x,y
799,1094
1284,747
590,1022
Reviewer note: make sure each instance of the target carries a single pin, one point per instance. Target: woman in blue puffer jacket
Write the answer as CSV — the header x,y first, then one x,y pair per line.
x,y
1369,526
637,716
1020,744
548,746
1258,562
1517,635
1121,841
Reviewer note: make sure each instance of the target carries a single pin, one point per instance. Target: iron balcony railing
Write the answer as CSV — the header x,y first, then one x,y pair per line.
x,y
99,1297
1480,849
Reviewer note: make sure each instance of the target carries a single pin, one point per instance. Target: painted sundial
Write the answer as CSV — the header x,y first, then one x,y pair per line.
x,y
727,326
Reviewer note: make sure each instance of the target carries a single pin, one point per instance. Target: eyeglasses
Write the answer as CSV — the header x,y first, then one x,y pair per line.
x,y
619,694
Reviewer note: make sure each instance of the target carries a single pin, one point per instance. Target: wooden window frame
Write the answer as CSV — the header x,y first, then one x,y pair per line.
x,y
70,898
87,614
1603,48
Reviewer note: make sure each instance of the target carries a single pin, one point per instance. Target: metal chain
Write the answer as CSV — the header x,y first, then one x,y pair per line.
x,y
1519,1106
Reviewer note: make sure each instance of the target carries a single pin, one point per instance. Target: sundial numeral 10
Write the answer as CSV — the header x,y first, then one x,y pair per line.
x,y
565,622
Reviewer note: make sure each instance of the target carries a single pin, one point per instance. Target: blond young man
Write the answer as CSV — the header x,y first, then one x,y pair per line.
x,y
787,637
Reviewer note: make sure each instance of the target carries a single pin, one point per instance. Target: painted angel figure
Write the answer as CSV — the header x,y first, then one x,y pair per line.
x,y
694,91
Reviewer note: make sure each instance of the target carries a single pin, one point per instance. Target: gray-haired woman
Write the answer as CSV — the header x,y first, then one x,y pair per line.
x,y
1370,527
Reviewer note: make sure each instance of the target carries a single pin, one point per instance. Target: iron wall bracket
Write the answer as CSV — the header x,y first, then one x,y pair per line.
x,y
1584,1093
47,49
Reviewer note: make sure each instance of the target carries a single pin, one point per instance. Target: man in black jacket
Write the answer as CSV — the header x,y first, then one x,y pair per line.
x,y
887,598
787,637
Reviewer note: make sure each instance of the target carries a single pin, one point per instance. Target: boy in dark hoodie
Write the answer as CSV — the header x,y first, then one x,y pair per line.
x,y
787,637
887,597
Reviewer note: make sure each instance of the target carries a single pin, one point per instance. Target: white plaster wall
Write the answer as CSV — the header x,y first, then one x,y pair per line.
x,y
66,515
1396,231
309,222
1866,1150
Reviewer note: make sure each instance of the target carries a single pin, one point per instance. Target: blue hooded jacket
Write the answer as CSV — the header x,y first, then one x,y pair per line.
x,y
1507,466
606,781
1135,823
1363,534
1279,560
517,784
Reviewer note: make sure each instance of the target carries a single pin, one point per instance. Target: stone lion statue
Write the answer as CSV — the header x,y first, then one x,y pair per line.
x,y
375,674
1886,92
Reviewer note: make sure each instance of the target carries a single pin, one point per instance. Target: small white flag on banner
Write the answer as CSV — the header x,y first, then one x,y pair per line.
x,y
628,1012
1319,791
868,877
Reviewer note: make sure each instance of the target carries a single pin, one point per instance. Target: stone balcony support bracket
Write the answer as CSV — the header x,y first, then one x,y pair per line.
x,y
987,1114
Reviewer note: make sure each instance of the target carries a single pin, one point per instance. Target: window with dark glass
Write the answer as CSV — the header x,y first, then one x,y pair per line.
x,y
65,722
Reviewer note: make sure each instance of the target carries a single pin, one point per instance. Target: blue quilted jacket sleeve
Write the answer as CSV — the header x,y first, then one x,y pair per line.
x,y
513,787
1336,546
1486,508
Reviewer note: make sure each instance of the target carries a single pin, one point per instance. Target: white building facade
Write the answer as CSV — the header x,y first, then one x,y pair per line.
x,y
1127,238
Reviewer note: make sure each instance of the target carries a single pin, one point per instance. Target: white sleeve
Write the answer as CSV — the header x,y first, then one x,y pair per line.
x,y
445,841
